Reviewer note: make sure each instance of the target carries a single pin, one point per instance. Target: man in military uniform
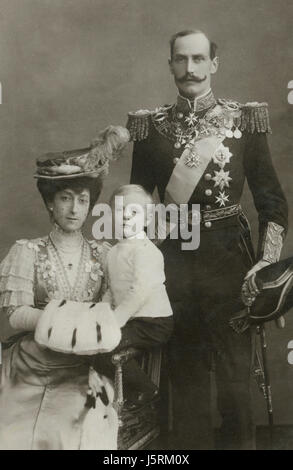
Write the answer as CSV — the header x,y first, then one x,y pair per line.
x,y
200,151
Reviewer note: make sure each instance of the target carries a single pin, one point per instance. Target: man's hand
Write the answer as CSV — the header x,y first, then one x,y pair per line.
x,y
261,264
279,322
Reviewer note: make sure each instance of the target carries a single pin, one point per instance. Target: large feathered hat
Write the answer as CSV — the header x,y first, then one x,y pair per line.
x,y
92,161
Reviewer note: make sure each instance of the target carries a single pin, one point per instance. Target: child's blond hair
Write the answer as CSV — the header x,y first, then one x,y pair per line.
x,y
131,188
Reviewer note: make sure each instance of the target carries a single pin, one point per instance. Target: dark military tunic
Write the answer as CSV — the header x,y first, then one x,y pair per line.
x,y
204,285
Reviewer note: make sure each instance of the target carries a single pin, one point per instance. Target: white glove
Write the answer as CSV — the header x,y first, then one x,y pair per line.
x,y
279,322
261,264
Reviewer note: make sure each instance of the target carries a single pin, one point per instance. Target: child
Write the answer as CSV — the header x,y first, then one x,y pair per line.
x,y
136,292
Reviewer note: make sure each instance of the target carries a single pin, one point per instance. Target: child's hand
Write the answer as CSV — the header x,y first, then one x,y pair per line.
x,y
95,383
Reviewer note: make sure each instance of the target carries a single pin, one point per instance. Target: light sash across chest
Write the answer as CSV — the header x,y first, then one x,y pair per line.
x,y
184,179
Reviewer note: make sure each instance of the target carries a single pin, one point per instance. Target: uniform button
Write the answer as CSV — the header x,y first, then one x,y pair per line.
x,y
177,145
207,176
208,208
176,160
180,115
208,224
208,192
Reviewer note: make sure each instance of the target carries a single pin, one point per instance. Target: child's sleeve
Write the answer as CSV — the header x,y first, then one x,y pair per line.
x,y
148,273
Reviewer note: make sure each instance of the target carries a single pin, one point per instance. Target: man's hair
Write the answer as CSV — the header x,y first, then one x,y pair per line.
x,y
131,188
188,32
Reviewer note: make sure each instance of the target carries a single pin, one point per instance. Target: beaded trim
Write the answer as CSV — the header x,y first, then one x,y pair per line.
x,y
71,292
50,272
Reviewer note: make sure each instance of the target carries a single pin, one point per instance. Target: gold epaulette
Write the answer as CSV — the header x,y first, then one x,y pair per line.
x,y
138,124
255,118
250,117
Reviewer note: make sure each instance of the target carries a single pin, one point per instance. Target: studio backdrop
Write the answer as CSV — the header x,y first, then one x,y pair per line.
x,y
71,67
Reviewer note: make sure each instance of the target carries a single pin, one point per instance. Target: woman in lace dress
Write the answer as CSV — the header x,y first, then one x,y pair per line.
x,y
43,393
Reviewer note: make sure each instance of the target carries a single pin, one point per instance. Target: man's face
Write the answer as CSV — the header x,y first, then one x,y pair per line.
x,y
192,66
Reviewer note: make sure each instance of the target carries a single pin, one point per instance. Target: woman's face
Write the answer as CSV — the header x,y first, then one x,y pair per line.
x,y
70,209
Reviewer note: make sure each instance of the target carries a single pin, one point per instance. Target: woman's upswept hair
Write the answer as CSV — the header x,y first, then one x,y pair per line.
x,y
48,188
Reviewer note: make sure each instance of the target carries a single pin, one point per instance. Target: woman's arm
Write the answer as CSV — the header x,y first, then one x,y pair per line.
x,y
25,318
17,313
15,320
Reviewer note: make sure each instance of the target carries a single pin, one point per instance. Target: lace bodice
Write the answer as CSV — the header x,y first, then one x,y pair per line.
x,y
32,274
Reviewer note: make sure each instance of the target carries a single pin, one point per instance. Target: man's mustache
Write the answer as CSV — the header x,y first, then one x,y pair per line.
x,y
191,78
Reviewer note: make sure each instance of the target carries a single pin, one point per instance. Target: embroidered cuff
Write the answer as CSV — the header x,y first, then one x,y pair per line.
x,y
273,242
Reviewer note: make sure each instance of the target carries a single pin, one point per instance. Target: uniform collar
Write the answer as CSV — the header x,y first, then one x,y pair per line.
x,y
201,103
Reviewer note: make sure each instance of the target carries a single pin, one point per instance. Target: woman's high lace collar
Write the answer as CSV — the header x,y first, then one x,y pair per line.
x,y
68,242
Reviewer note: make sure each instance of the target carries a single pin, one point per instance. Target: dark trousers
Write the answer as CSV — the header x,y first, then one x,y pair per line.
x,y
190,373
143,334
204,289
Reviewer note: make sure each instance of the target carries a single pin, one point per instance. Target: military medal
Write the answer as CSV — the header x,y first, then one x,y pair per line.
x,y
222,198
229,133
191,120
228,123
237,133
222,156
221,178
193,159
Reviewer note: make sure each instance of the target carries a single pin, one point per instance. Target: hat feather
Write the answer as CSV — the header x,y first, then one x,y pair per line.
x,y
109,144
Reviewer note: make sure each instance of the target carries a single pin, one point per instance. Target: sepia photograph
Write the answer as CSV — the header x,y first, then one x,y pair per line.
x,y
146,244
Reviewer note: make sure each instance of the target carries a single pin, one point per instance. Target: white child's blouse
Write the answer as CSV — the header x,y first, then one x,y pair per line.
x,y
135,269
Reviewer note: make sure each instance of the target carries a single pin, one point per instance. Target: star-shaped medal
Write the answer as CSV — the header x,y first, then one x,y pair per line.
x,y
222,156
221,179
192,159
191,120
222,198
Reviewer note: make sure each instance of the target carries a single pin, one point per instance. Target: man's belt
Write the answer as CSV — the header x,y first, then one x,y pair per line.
x,y
207,217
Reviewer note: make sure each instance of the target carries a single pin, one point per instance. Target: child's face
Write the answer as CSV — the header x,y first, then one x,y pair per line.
x,y
130,209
